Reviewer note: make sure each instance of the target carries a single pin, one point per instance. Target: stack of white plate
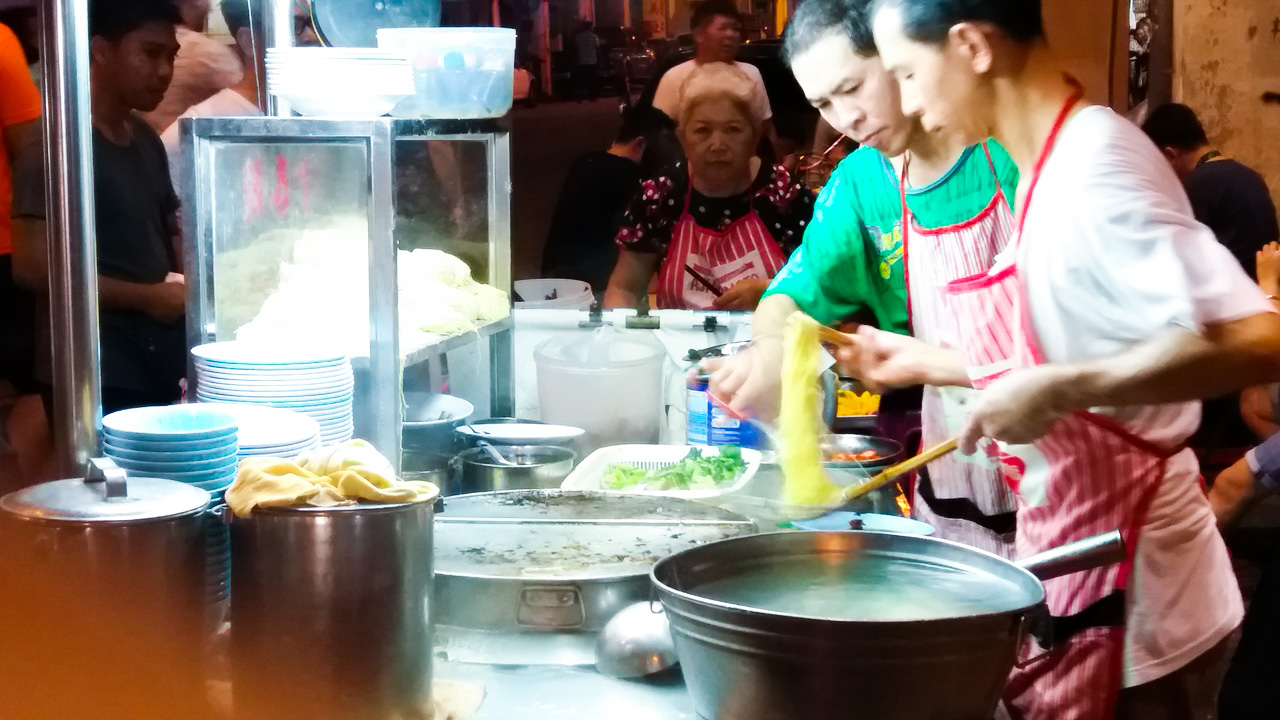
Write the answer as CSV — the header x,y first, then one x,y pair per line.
x,y
271,431
187,443
339,82
314,381
553,293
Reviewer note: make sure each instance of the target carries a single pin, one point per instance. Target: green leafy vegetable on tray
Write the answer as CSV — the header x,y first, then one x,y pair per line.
x,y
694,472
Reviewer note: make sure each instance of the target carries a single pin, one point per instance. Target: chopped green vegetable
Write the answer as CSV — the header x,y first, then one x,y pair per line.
x,y
694,472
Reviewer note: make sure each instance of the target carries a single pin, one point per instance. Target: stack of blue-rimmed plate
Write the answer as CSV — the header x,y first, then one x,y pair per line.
x,y
271,431
314,381
187,443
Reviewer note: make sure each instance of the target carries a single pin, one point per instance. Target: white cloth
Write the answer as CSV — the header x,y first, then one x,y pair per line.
x,y
202,68
1114,256
226,103
667,97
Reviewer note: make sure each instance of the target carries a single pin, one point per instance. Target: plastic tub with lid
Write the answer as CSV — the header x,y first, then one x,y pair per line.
x,y
606,382
458,73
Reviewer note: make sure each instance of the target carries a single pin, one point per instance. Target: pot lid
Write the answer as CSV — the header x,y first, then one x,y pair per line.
x,y
86,501
571,535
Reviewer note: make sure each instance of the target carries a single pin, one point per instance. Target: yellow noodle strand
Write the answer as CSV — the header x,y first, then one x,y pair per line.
x,y
800,423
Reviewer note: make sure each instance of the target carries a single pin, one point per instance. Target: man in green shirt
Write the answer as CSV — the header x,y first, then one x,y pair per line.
x,y
856,259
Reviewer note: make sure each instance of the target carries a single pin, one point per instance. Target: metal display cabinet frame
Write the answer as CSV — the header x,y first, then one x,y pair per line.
x,y
380,406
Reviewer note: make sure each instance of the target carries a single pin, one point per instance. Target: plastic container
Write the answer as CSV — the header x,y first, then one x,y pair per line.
x,y
711,425
459,73
606,382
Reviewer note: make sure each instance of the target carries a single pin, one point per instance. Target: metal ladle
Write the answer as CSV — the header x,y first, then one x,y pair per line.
x,y
636,642
494,455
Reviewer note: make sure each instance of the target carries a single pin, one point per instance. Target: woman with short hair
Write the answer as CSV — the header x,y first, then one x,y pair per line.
x,y
714,231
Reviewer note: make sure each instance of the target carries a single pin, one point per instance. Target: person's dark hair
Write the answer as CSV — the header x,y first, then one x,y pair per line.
x,y
1175,126
641,121
929,21
707,10
815,19
113,19
239,14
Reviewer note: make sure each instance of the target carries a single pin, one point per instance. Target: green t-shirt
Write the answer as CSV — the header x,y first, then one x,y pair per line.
x,y
851,257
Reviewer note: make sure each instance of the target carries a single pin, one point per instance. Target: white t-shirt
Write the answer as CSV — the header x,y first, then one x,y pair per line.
x,y
226,103
667,97
1112,257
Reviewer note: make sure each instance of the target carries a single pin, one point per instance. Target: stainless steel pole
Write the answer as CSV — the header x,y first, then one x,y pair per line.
x,y
73,273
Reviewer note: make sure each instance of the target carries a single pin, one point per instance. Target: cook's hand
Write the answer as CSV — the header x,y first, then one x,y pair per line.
x,y
750,381
1018,408
1269,268
744,295
883,360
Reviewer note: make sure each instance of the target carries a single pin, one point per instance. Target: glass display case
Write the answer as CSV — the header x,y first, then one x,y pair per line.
x,y
388,236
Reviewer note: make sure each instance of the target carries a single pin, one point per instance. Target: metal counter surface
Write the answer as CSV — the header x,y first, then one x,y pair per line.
x,y
569,693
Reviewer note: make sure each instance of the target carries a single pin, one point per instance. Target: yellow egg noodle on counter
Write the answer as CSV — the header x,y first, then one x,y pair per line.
x,y
337,475
800,423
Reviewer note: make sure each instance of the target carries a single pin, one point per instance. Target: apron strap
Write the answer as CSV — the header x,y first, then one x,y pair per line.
x,y
1051,631
991,163
963,508
1076,96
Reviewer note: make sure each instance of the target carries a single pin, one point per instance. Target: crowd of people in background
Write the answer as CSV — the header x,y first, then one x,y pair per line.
x,y
151,63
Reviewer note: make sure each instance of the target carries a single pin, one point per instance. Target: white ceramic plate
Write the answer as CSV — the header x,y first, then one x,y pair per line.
x,y
243,353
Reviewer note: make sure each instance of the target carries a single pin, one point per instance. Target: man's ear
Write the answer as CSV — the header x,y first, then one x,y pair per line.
x,y
972,41
98,47
244,38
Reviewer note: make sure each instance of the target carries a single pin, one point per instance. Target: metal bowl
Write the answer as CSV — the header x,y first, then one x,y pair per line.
x,y
536,467
430,420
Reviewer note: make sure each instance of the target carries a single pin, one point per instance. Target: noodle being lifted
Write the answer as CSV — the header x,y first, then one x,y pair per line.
x,y
800,417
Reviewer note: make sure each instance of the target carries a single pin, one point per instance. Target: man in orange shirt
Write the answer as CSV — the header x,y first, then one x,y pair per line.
x,y
20,123
20,120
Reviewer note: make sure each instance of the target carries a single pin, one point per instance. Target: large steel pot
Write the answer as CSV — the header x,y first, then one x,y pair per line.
x,y
759,650
330,612
531,576
537,467
104,593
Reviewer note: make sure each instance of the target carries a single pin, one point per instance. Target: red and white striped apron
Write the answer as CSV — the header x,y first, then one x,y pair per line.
x,y
1086,476
743,251
933,258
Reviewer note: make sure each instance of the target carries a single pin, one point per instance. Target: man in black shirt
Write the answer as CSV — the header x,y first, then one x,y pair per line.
x,y
1235,203
1228,196
141,297
600,185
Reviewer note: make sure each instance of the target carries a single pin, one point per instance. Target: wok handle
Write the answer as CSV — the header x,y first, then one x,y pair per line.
x,y
1087,554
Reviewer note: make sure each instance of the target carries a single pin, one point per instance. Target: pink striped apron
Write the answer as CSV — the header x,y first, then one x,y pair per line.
x,y
965,498
743,251
1087,476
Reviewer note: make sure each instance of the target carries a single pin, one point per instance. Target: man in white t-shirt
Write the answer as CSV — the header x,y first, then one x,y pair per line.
x,y
717,33
241,98
1109,315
